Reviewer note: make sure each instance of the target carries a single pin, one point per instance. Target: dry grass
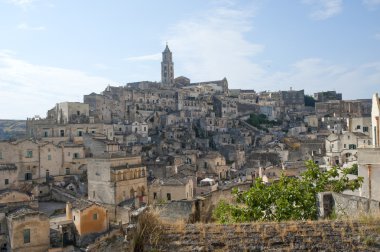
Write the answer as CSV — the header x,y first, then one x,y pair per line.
x,y
149,229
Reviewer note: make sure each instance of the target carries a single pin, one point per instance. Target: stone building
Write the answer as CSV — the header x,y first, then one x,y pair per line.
x,y
225,107
167,68
113,180
168,189
213,163
213,87
327,96
8,175
24,154
212,123
360,124
88,217
28,230
345,108
369,158
37,161
69,112
342,148
248,96
43,130
138,128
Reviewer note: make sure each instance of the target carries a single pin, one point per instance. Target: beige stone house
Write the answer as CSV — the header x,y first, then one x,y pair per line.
x,y
27,160
24,154
168,189
28,230
342,148
213,163
360,124
8,175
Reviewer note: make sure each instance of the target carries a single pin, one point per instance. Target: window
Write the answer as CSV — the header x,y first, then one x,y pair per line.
x,y
49,157
80,133
67,171
68,154
28,176
95,216
352,146
365,129
6,181
344,146
169,196
62,133
1,155
76,155
47,173
29,153
27,235
358,127
46,134
154,195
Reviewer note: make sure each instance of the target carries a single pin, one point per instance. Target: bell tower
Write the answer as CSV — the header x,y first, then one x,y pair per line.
x,y
167,68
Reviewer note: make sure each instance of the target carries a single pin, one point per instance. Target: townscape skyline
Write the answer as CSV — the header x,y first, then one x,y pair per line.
x,y
54,52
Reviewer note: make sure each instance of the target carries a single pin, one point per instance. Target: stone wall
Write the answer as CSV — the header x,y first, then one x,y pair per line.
x,y
346,205
179,210
286,236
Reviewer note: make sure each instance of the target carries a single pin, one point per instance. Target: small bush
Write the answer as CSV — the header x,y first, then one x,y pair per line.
x,y
149,230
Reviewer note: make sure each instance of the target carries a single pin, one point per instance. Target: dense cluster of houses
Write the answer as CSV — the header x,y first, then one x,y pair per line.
x,y
158,143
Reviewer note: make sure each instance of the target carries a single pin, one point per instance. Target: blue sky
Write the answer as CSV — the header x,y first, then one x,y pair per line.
x,y
53,51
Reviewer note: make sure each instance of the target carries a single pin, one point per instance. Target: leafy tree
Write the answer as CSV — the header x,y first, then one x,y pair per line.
x,y
288,199
353,169
261,121
309,101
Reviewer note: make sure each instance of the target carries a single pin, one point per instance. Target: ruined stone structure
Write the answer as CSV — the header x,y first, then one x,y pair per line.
x,y
327,96
337,108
